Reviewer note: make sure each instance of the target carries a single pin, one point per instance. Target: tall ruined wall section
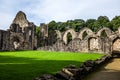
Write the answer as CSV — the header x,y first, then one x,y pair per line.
x,y
21,20
4,40
20,36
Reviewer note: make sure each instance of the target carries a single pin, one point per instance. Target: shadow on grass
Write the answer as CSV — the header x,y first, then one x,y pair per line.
x,y
19,68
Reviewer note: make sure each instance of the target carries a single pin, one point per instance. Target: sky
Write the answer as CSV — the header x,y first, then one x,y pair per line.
x,y
44,11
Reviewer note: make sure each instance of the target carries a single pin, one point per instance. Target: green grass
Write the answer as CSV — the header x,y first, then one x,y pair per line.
x,y
26,65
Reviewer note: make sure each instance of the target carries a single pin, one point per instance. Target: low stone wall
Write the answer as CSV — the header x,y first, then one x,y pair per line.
x,y
76,73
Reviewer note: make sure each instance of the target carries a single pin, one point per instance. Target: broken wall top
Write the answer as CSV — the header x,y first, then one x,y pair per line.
x,y
21,20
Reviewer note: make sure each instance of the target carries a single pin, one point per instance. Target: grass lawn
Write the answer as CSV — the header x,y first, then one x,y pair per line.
x,y
26,65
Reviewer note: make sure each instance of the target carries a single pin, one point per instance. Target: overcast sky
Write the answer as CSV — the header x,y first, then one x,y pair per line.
x,y
43,11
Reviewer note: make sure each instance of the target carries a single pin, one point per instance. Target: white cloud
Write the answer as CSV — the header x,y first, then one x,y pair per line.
x,y
5,20
59,10
62,10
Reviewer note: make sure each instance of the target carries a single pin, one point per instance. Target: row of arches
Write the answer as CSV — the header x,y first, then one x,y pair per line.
x,y
90,44
105,32
103,40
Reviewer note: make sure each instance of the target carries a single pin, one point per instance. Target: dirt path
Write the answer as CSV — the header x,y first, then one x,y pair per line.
x,y
111,71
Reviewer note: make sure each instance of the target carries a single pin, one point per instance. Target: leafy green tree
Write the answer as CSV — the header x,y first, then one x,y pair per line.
x,y
102,21
52,25
90,23
115,22
63,26
93,24
79,24
37,30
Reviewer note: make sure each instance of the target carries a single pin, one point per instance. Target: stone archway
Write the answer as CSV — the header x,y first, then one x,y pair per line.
x,y
116,45
87,30
93,44
106,30
73,34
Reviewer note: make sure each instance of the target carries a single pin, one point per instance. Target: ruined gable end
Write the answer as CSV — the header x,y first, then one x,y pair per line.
x,y
21,20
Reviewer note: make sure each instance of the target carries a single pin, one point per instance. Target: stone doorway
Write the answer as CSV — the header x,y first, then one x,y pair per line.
x,y
93,44
116,46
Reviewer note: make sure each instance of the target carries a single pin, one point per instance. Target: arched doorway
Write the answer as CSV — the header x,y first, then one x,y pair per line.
x,y
104,32
116,45
93,44
84,32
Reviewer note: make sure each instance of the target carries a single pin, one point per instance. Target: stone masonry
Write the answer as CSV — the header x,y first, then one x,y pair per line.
x,y
22,36
92,42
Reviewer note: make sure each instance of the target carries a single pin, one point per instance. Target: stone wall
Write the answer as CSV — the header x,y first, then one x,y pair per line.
x,y
20,36
73,72
92,42
4,40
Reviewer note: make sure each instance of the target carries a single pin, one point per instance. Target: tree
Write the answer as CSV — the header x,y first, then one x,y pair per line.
x,y
79,24
37,30
115,22
90,23
102,21
63,26
93,24
52,25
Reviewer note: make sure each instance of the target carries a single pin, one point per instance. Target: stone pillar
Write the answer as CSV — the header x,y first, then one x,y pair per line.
x,y
119,30
1,39
6,40
43,34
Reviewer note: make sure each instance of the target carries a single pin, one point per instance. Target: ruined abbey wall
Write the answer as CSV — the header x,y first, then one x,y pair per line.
x,y
22,36
92,42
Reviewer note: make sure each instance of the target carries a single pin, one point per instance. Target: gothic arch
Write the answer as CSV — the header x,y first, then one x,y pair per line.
x,y
72,32
59,35
93,44
116,45
107,31
87,30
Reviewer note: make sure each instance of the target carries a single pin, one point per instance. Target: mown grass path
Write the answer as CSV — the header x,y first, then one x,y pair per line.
x,y
26,65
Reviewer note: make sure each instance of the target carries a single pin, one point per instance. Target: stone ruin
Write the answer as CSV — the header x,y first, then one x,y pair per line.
x,y
22,36
94,42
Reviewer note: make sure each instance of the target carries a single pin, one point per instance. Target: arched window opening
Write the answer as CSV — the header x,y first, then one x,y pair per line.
x,y
69,37
84,35
103,34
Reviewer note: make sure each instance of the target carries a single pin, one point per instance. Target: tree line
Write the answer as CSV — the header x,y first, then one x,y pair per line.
x,y
93,24
77,25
